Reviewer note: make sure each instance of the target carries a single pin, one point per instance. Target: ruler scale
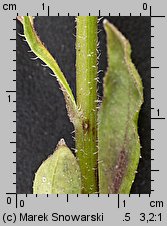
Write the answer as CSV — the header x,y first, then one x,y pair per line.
x,y
134,209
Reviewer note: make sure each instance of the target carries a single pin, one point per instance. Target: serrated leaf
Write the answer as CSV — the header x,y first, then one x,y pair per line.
x,y
119,145
59,174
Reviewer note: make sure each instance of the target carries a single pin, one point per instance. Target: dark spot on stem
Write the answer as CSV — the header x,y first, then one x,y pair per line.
x,y
119,171
86,125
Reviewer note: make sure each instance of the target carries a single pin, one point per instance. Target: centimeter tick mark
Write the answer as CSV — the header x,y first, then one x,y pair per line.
x,y
11,91
158,118
118,201
48,11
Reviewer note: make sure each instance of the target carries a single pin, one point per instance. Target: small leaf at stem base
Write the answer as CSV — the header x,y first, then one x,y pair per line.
x,y
59,174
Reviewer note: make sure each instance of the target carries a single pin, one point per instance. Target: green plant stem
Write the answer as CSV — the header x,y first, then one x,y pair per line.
x,y
86,86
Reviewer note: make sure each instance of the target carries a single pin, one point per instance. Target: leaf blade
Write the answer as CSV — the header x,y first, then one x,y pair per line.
x,y
59,174
119,145
41,52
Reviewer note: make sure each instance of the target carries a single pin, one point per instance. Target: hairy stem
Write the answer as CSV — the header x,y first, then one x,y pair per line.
x,y
86,85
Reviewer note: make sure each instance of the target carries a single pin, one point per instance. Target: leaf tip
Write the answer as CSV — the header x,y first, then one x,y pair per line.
x,y
61,142
20,18
109,27
105,21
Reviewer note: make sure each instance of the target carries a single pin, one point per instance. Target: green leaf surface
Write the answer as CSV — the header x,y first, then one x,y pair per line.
x,y
41,52
119,145
59,174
